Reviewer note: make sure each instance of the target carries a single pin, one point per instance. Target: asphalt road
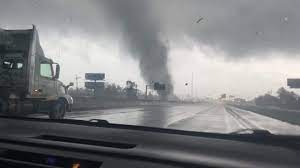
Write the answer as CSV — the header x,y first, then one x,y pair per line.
x,y
196,117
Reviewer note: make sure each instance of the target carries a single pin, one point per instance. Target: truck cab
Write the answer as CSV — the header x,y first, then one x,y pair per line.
x,y
27,77
49,91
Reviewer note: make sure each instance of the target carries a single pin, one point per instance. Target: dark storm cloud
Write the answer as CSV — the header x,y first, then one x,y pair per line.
x,y
60,19
239,28
133,18
61,16
236,27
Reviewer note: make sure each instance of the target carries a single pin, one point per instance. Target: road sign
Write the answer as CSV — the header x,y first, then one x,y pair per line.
x,y
94,76
158,86
94,85
293,83
223,96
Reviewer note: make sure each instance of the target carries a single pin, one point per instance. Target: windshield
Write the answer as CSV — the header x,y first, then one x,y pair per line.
x,y
195,65
12,61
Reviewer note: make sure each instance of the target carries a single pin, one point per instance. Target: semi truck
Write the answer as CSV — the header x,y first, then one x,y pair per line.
x,y
28,78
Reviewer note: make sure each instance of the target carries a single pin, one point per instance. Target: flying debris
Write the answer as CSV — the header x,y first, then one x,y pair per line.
x,y
199,20
285,19
259,33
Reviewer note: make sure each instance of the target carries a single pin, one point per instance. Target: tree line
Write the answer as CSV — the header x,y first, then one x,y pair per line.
x,y
113,91
284,98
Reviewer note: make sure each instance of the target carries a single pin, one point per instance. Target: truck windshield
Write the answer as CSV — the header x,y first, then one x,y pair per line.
x,y
12,60
12,64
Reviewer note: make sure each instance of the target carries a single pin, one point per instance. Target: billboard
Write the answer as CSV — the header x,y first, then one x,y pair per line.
x,y
94,85
94,76
293,83
223,96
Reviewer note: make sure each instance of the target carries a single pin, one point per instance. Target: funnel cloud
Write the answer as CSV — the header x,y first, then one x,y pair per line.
x,y
142,37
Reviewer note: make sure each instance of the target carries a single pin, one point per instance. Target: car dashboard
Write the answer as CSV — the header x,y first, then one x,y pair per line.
x,y
40,143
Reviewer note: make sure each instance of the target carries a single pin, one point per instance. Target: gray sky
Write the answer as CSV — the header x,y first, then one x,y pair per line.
x,y
244,48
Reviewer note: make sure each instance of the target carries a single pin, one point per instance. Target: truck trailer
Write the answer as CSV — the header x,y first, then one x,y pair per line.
x,y
27,77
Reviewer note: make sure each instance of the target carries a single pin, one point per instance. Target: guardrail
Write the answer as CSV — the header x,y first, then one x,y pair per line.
x,y
85,103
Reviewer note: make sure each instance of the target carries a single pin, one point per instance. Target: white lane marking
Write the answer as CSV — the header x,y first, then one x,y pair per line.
x,y
252,124
244,123
187,115
215,120
230,125
273,125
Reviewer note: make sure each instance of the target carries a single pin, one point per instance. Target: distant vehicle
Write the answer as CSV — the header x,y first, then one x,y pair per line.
x,y
28,77
239,100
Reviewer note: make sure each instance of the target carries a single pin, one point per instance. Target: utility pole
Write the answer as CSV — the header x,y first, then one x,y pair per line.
x,y
187,90
146,93
76,78
192,85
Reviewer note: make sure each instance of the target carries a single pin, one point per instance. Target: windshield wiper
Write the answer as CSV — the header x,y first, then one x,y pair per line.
x,y
99,121
253,131
92,122
258,136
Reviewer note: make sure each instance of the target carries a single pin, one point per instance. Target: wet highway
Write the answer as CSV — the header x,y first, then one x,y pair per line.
x,y
194,117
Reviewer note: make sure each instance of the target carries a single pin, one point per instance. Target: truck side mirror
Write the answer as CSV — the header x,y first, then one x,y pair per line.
x,y
67,87
57,71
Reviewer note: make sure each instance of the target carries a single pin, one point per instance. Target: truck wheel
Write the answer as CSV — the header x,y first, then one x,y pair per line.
x,y
3,107
35,107
58,110
70,108
14,108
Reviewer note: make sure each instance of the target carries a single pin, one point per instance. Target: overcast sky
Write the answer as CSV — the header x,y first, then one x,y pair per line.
x,y
243,48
